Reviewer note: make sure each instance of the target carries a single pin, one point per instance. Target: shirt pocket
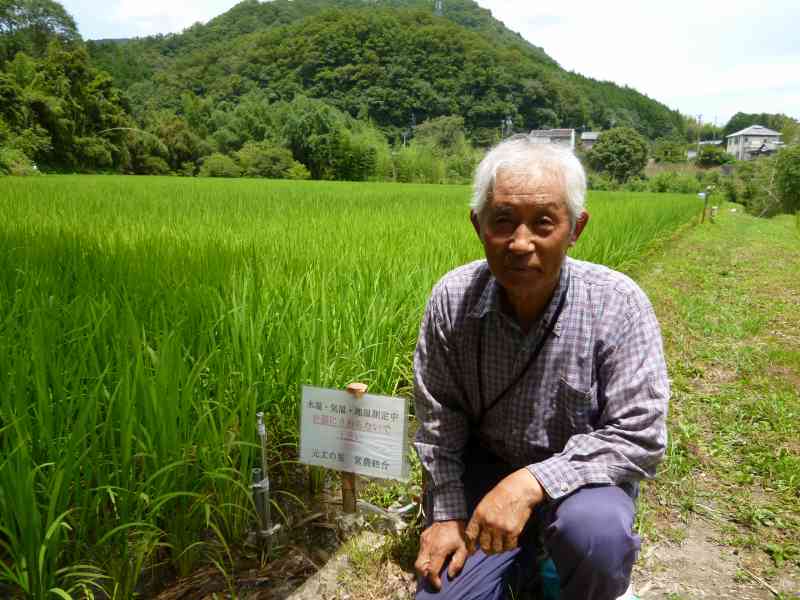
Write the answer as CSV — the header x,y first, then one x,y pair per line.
x,y
576,410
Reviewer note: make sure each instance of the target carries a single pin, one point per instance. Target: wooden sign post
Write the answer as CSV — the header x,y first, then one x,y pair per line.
x,y
349,490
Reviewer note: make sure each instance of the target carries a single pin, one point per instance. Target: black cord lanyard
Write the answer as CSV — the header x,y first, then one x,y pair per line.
x,y
531,360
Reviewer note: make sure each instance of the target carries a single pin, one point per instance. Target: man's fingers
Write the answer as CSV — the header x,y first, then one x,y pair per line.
x,y
471,533
486,540
457,562
510,542
498,543
435,569
421,564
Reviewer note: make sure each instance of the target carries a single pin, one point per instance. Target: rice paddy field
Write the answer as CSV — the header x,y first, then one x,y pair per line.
x,y
144,322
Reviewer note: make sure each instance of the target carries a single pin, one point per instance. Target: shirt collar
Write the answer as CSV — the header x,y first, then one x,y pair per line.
x,y
489,300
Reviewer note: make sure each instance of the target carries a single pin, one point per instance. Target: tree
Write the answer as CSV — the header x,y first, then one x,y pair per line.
x,y
621,152
669,151
219,165
787,178
713,156
445,134
790,134
184,146
742,120
30,25
260,159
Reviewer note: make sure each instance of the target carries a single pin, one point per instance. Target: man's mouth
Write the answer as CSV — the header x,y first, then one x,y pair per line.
x,y
522,268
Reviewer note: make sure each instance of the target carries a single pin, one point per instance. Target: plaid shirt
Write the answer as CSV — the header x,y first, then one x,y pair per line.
x,y
591,409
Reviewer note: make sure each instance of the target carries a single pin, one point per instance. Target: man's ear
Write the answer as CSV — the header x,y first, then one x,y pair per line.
x,y
476,224
580,224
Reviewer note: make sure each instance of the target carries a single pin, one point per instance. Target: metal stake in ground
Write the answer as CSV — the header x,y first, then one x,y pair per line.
x,y
260,489
349,491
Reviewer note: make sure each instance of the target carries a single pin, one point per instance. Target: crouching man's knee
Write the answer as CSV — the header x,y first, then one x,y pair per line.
x,y
592,543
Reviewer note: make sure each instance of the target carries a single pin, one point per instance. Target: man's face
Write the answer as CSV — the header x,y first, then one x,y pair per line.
x,y
525,230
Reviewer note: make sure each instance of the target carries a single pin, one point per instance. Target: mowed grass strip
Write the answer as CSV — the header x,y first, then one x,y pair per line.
x,y
728,298
144,322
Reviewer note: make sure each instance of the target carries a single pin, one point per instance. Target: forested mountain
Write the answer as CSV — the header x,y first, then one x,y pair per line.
x,y
334,89
390,61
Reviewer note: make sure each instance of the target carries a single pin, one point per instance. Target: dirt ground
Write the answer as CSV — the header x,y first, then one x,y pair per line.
x,y
699,567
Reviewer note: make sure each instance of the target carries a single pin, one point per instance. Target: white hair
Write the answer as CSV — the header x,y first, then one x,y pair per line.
x,y
533,160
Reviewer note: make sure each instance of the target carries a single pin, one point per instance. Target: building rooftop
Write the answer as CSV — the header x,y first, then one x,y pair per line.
x,y
755,130
551,133
590,135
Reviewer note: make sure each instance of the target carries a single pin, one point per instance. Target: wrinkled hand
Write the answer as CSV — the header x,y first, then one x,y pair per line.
x,y
502,514
438,542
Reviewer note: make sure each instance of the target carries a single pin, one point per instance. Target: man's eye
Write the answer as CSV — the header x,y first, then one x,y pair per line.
x,y
503,226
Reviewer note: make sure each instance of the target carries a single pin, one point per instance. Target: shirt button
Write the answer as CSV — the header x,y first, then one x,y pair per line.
x,y
564,486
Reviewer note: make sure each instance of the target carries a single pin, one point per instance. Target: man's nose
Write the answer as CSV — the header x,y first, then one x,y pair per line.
x,y
522,240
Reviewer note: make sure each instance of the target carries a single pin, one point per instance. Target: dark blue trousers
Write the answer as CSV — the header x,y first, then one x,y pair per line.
x,y
588,535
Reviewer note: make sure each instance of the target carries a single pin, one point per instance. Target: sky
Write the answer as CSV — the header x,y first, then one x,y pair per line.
x,y
707,58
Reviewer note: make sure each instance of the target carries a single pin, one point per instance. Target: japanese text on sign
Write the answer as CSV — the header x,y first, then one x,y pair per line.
x,y
365,435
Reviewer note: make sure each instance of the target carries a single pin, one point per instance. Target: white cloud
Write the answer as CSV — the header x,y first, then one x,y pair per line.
x,y
693,56
160,16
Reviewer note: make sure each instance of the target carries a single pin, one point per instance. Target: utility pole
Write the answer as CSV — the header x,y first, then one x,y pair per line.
x,y
506,126
699,128
439,8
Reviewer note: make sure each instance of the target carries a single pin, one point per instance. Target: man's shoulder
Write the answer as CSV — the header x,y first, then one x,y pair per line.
x,y
607,285
459,290
464,276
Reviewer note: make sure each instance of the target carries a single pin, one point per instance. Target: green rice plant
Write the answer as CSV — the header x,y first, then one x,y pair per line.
x,y
145,321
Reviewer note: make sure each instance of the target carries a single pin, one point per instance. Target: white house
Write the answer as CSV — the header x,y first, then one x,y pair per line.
x,y
753,141
562,137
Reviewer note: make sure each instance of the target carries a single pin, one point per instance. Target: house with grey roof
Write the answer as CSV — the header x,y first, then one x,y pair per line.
x,y
753,141
589,139
561,137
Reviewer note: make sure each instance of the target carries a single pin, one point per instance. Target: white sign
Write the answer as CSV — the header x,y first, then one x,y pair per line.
x,y
365,435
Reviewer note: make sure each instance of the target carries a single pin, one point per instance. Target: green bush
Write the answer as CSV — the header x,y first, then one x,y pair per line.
x,y
419,164
710,177
261,159
730,190
756,186
674,182
219,165
713,156
461,166
188,169
152,165
14,162
669,151
298,171
620,152
787,178
601,183
636,184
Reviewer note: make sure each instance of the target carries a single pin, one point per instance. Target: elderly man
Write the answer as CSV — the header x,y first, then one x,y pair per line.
x,y
541,393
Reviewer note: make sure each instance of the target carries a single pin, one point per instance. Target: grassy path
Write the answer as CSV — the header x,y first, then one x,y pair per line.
x,y
723,519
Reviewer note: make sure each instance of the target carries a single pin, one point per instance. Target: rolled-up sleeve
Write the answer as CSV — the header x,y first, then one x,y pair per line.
x,y
630,437
443,425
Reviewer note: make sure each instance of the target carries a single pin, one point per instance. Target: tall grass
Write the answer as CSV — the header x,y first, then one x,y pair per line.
x,y
144,322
